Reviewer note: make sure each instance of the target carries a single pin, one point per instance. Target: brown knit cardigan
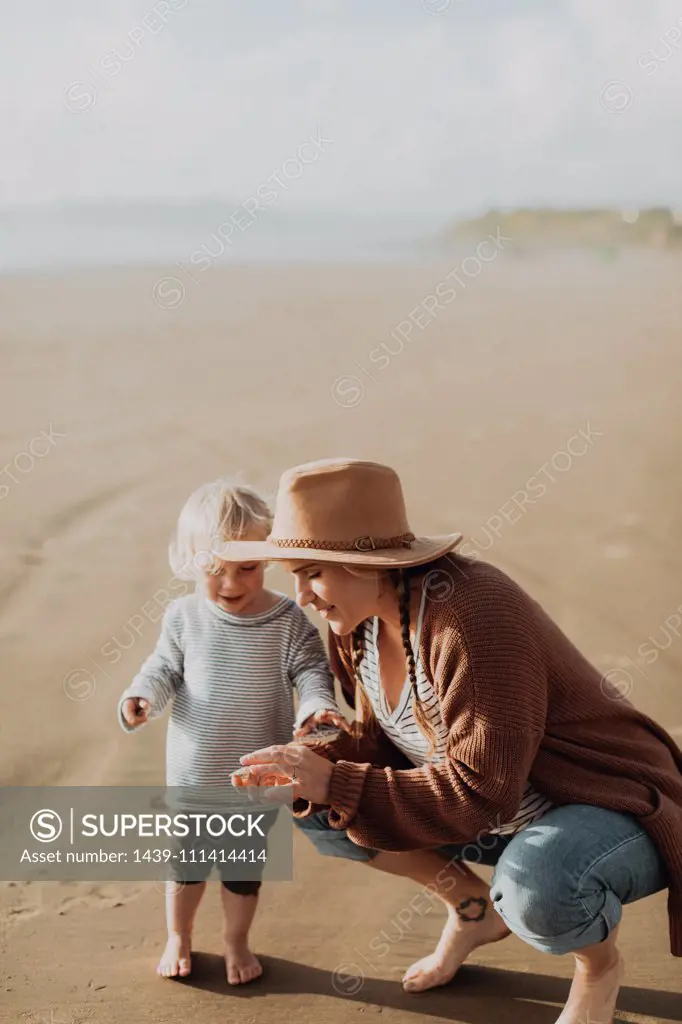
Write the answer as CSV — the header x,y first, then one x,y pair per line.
x,y
520,702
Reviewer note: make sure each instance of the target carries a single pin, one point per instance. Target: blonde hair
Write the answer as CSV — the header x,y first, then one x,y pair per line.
x,y
220,511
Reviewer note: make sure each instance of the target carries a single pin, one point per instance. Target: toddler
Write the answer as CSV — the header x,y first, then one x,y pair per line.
x,y
227,659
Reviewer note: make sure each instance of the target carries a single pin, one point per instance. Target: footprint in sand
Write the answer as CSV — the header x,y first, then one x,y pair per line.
x,y
14,915
28,910
98,897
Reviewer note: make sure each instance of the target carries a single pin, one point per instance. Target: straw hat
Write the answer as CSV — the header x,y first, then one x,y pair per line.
x,y
345,511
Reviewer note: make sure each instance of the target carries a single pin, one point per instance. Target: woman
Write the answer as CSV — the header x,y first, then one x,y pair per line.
x,y
483,734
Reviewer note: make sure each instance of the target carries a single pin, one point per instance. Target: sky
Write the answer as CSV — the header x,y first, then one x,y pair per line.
x,y
425,105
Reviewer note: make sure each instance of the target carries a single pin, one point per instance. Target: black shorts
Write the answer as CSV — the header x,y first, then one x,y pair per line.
x,y
237,862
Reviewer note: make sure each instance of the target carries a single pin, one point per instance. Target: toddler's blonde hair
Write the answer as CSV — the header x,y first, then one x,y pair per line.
x,y
220,511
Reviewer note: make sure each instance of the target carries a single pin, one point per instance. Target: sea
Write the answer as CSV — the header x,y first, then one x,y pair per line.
x,y
60,236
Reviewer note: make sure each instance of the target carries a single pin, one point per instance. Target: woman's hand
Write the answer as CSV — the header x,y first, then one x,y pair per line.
x,y
323,717
309,773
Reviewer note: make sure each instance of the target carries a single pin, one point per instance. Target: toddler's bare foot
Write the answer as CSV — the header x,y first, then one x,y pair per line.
x,y
462,934
175,960
593,996
241,965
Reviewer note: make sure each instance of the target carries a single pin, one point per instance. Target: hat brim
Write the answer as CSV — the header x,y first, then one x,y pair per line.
x,y
420,551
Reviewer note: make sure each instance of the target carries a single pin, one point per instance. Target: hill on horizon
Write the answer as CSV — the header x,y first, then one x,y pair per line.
x,y
655,227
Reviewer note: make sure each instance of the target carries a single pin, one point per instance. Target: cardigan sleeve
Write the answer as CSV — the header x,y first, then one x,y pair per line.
x,y
486,658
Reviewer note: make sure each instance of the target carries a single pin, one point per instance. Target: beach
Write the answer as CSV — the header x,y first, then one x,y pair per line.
x,y
537,410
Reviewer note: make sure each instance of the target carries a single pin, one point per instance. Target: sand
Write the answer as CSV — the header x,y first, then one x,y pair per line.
x,y
252,372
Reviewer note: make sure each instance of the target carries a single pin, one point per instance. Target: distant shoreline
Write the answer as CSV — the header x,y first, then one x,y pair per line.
x,y
75,237
517,253
649,227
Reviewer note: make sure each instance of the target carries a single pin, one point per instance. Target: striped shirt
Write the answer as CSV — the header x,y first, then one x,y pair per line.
x,y
230,678
403,730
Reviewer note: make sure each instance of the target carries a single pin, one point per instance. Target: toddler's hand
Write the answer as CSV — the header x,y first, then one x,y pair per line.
x,y
136,711
324,717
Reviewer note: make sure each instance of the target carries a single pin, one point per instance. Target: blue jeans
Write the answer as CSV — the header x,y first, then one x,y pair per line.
x,y
559,884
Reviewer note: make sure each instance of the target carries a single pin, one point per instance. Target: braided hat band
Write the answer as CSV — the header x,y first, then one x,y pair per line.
x,y
401,540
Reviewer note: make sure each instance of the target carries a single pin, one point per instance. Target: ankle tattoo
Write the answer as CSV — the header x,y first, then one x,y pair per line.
x,y
472,909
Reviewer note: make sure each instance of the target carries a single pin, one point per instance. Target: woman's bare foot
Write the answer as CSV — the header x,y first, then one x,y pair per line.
x,y
593,995
241,965
176,960
472,922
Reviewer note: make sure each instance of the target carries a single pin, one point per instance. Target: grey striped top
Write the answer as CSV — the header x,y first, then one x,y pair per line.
x,y
402,729
230,680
